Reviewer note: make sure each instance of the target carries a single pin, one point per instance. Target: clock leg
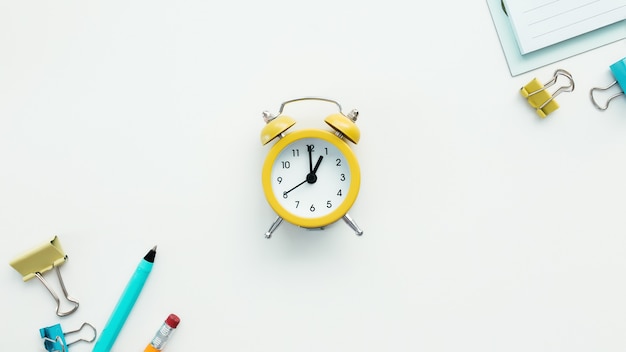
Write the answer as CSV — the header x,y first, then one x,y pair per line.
x,y
274,226
353,225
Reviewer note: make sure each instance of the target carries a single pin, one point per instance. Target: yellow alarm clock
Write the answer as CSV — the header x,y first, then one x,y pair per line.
x,y
311,177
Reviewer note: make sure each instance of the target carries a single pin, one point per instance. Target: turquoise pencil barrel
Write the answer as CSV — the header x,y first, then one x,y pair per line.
x,y
125,304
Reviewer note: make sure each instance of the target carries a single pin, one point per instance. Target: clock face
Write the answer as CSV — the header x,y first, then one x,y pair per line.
x,y
311,178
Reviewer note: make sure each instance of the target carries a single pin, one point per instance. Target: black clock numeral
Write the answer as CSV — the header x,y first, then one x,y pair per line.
x,y
343,177
297,203
286,164
312,208
338,162
339,193
280,180
310,147
285,195
326,150
295,152
329,204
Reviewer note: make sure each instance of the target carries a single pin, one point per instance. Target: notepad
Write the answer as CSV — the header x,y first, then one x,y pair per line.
x,y
541,23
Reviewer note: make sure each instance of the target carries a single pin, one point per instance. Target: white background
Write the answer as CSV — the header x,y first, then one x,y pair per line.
x,y
125,124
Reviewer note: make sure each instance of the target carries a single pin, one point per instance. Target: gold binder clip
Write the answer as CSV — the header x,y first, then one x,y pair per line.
x,y
540,99
41,259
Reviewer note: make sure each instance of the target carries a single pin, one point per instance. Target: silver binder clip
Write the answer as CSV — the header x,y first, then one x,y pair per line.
x,y
54,338
37,261
618,70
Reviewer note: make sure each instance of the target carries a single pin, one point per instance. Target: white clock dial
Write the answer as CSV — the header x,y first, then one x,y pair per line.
x,y
310,177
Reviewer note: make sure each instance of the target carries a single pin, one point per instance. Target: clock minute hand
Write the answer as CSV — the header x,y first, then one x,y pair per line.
x,y
310,149
296,186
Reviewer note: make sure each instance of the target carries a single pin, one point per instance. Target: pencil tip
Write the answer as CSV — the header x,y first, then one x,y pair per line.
x,y
154,248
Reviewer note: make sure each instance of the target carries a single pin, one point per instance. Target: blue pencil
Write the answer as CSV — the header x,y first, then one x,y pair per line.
x,y
125,304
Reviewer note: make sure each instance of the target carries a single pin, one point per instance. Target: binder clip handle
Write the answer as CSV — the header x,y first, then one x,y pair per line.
x,y
56,297
566,88
618,70
608,101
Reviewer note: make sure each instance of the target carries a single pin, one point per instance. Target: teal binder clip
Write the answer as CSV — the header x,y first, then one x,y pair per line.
x,y
618,70
54,337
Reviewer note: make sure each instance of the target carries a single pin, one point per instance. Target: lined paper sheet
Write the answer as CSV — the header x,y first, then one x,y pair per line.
x,y
540,23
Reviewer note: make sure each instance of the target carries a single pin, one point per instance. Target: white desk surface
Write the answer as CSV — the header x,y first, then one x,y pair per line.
x,y
129,124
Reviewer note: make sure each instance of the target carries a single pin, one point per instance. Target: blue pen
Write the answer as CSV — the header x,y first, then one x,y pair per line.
x,y
125,304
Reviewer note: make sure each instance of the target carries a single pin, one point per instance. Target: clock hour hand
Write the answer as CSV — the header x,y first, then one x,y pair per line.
x,y
317,165
312,177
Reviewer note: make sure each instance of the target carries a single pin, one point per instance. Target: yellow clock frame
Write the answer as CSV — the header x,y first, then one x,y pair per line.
x,y
345,129
350,197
